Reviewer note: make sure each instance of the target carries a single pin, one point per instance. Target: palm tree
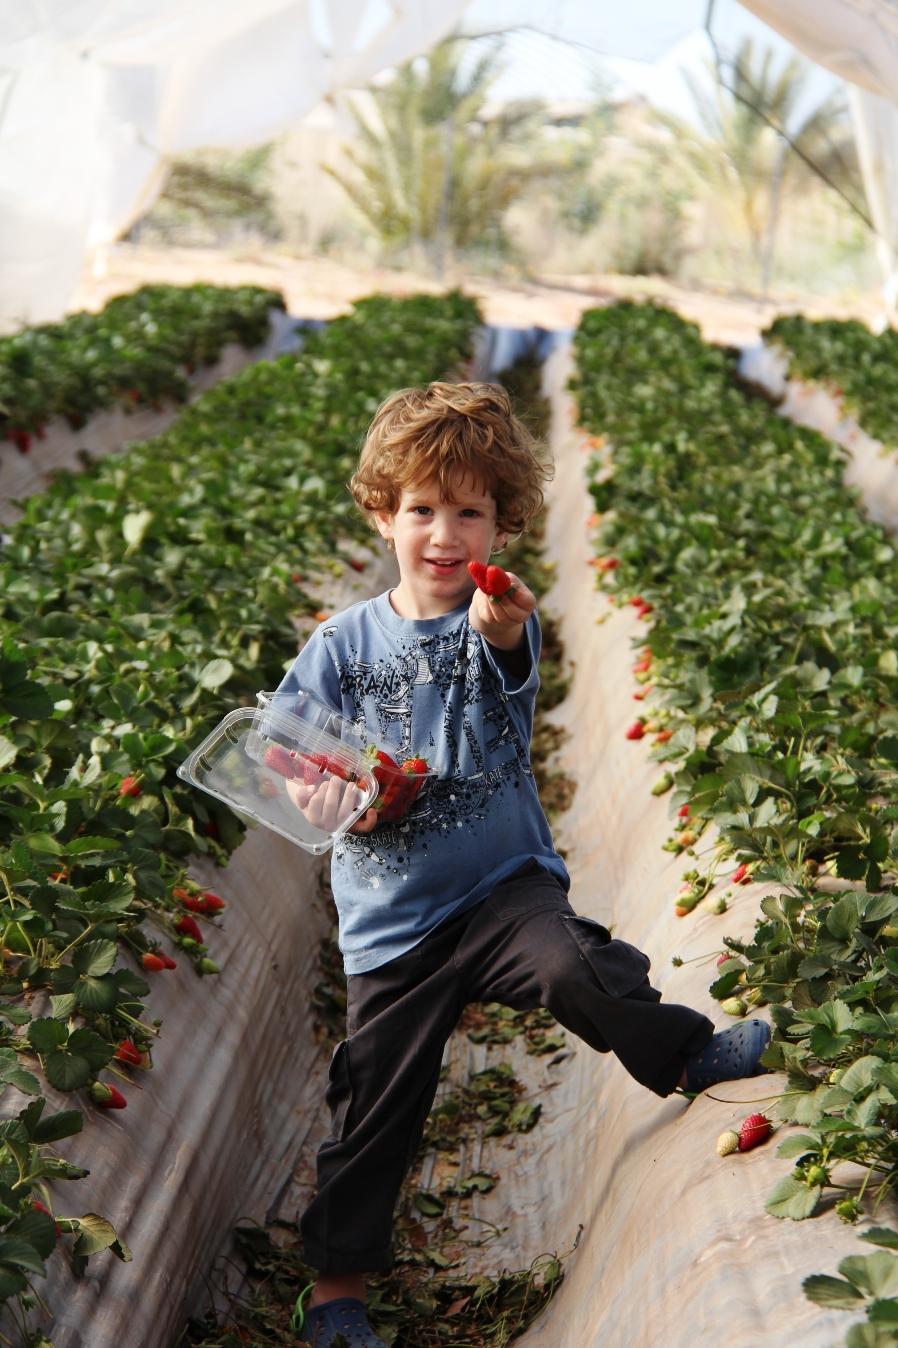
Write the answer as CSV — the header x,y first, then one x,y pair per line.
x,y
434,169
764,141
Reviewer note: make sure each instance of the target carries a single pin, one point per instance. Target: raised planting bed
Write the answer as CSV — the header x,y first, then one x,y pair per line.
x,y
78,389
140,601
870,465
765,676
857,366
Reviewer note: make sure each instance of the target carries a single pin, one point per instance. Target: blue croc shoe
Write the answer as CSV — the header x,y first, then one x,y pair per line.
x,y
729,1055
322,1326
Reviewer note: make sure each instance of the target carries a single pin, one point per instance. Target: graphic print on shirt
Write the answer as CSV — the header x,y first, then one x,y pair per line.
x,y
443,676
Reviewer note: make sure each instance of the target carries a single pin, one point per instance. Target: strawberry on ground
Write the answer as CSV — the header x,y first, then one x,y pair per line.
x,y
727,1142
755,1128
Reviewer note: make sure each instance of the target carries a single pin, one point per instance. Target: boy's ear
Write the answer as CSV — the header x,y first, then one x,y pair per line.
x,y
500,540
384,521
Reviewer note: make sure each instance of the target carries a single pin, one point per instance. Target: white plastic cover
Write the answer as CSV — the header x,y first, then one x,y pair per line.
x,y
857,39
95,96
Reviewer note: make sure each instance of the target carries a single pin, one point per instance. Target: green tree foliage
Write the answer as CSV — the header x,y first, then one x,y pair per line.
x,y
748,154
434,169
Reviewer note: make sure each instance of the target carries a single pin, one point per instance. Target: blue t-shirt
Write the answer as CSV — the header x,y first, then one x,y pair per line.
x,y
435,688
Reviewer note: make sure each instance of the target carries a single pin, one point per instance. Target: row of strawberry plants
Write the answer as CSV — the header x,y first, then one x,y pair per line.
x,y
772,664
859,366
138,351
140,601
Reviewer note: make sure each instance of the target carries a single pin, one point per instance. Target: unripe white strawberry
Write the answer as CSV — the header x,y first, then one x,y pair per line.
x,y
727,1142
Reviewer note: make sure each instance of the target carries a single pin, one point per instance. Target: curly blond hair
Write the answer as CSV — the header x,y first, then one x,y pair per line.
x,y
445,431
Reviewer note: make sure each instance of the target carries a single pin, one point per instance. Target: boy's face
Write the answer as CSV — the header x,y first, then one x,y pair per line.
x,y
434,541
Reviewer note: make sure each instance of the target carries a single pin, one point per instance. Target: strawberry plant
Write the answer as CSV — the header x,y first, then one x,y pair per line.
x,y
773,644
868,1283
859,366
138,350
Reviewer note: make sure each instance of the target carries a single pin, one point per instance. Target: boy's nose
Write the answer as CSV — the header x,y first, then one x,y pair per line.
x,y
442,531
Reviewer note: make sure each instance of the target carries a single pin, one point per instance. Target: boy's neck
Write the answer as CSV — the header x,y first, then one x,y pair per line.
x,y
408,606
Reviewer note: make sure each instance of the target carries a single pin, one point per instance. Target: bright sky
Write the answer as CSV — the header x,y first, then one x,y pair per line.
x,y
605,38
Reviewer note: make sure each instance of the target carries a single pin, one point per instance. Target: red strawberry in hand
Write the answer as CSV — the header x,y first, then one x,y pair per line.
x,y
491,579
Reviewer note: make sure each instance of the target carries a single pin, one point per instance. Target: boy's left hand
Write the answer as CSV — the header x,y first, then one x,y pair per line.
x,y
501,621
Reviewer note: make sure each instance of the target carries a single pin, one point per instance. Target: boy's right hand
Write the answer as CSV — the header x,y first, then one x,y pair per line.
x,y
327,804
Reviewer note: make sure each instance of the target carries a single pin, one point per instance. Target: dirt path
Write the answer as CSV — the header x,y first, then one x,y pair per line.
x,y
321,288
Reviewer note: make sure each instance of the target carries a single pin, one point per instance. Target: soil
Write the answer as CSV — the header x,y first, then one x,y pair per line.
x,y
317,287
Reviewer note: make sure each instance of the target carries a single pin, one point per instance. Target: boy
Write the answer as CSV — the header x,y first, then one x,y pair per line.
x,y
465,899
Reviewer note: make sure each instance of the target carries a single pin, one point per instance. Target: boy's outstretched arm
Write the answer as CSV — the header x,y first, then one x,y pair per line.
x,y
501,621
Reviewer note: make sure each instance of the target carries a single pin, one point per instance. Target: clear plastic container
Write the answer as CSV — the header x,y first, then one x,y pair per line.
x,y
397,789
257,756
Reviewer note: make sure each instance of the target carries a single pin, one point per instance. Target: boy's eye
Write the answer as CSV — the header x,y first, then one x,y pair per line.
x,y
420,510
469,510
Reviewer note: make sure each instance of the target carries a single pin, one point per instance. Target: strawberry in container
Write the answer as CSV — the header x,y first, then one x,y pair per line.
x,y
400,783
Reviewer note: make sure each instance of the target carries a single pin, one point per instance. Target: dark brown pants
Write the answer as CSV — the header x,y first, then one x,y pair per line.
x,y
523,946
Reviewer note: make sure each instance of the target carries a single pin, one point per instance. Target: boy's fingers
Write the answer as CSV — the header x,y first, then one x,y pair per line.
x,y
366,823
300,793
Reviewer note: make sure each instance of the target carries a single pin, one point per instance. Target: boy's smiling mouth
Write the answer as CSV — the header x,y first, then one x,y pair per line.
x,y
442,565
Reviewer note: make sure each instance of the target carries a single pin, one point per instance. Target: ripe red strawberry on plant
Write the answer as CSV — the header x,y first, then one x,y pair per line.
x,y
127,1051
129,786
194,903
211,902
635,731
188,926
41,1207
754,1129
107,1097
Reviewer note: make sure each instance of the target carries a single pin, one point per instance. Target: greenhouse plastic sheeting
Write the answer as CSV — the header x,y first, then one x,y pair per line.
x,y
94,97
857,39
